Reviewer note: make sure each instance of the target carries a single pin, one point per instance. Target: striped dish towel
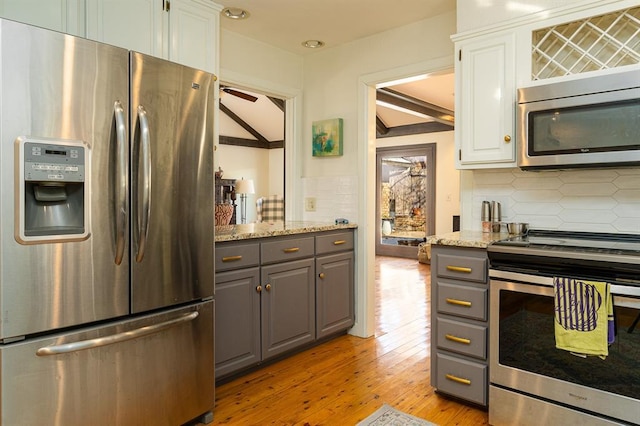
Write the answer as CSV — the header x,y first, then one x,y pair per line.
x,y
583,316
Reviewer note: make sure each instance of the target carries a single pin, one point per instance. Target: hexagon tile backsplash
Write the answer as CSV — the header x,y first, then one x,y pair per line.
x,y
600,200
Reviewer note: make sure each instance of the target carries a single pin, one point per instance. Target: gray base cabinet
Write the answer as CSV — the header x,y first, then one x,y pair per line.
x,y
237,324
459,320
334,294
280,293
288,307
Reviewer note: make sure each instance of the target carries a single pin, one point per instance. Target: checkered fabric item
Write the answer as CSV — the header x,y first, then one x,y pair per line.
x,y
270,209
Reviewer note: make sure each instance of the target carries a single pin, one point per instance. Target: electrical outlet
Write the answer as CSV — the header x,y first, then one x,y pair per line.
x,y
310,204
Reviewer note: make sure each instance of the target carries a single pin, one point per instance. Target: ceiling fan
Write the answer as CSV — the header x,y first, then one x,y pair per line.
x,y
239,94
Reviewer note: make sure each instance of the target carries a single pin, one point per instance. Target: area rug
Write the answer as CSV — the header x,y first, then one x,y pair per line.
x,y
389,416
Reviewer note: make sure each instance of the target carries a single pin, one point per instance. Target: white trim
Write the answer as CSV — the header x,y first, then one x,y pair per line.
x,y
365,235
292,133
567,13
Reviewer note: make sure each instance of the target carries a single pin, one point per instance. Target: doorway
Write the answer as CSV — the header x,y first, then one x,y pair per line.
x,y
405,200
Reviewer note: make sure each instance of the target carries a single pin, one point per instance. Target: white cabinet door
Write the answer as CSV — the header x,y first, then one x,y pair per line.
x,y
66,16
183,31
485,103
193,33
132,24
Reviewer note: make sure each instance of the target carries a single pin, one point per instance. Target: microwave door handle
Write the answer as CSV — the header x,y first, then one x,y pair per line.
x,y
145,186
116,338
121,180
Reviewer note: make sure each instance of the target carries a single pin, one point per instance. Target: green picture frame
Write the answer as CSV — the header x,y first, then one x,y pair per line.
x,y
327,138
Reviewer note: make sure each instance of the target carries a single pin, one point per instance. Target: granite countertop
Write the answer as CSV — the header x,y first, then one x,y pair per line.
x,y
262,230
477,239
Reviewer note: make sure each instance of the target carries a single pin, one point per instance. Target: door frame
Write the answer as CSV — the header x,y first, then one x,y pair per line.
x,y
428,150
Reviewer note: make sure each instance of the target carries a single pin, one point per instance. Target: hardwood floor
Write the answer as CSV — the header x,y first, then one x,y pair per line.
x,y
344,380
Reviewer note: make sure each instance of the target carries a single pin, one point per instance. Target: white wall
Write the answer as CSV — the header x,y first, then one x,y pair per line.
x,y
447,177
266,69
338,83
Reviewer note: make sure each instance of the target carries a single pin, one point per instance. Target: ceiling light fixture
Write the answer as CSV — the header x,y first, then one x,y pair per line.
x,y
313,44
235,13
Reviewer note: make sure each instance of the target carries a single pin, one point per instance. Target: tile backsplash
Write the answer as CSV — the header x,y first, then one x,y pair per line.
x,y
336,197
602,200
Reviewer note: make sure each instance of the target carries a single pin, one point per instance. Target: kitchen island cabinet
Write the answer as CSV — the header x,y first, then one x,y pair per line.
x,y
271,297
460,314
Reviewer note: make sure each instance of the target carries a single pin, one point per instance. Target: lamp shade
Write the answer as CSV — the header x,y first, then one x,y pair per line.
x,y
245,186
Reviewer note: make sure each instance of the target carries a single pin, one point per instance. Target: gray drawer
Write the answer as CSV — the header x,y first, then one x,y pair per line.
x,y
235,256
282,250
467,339
462,378
464,301
334,242
465,268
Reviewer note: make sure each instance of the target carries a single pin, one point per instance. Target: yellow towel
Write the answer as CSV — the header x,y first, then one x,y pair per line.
x,y
582,313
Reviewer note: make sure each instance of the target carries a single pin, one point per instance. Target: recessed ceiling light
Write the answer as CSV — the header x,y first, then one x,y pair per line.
x,y
313,44
235,13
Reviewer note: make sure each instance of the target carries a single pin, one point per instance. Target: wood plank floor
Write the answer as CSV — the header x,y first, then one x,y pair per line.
x,y
344,380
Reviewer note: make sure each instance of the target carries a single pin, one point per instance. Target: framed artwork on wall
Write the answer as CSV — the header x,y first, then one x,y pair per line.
x,y
327,138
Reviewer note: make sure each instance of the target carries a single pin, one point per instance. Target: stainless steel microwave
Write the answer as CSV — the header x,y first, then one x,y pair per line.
x,y
589,122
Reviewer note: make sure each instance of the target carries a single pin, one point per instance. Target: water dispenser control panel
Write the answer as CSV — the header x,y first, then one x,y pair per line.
x,y
52,190
53,163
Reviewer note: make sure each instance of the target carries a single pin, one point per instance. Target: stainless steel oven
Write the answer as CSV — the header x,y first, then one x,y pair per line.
x,y
531,381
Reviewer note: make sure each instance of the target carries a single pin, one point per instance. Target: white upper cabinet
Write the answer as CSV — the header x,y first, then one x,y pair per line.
x,y
132,24
183,31
66,16
485,102
193,34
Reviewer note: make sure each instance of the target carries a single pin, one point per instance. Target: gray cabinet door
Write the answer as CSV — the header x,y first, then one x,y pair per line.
x,y
288,306
334,293
237,320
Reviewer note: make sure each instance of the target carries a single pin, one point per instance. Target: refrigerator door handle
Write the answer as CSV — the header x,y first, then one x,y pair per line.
x,y
145,154
116,338
121,180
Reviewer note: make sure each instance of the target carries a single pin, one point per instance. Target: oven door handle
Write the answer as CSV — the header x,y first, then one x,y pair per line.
x,y
530,279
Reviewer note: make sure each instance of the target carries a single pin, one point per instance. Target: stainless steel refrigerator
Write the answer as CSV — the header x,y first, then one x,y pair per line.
x,y
106,261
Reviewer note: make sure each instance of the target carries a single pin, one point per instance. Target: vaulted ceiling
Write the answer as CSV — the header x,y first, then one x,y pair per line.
x,y
252,119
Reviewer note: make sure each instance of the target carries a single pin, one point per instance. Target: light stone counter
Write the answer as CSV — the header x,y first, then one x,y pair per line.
x,y
477,239
262,230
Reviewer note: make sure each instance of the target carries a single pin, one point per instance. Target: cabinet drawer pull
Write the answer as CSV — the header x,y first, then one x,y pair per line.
x,y
259,289
458,302
291,250
458,379
458,269
231,258
321,275
339,242
267,287
457,339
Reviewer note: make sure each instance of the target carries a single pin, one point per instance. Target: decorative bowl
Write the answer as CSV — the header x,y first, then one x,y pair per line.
x,y
223,213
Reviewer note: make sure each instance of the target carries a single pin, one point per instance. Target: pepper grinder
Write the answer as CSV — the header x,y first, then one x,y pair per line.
x,y
486,216
496,216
